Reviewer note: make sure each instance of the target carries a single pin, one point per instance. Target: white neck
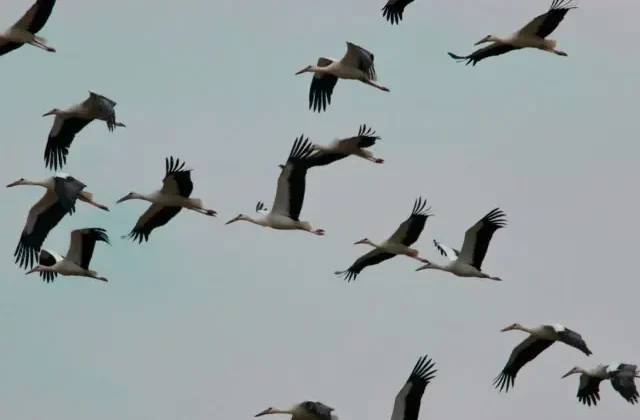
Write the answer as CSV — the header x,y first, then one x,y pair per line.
x,y
261,221
46,183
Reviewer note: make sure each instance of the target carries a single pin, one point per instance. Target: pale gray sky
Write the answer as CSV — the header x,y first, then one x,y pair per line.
x,y
208,321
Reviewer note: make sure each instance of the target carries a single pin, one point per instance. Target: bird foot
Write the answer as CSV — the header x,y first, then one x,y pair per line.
x,y
319,232
378,160
211,213
51,49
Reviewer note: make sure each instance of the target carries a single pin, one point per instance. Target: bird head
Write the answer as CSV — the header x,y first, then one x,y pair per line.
x,y
304,70
132,195
21,181
488,38
35,269
272,410
54,111
514,326
572,372
426,266
362,241
235,219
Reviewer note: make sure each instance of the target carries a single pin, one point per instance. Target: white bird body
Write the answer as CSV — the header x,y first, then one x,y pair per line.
x,y
468,261
166,202
306,410
50,184
532,35
25,29
77,260
356,64
621,375
341,148
287,204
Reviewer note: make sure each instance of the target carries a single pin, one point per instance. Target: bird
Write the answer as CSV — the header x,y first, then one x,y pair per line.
x,y
287,205
62,191
394,9
407,403
76,262
540,337
398,244
357,64
69,122
306,410
533,35
341,148
24,30
621,375
468,262
166,202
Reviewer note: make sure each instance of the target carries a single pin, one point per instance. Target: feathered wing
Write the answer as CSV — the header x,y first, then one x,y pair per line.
x,y
522,354
492,50
373,257
321,88
623,381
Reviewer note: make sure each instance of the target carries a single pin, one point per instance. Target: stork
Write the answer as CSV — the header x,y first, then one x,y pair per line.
x,y
69,122
407,403
24,30
167,202
357,64
468,262
341,148
533,35
62,191
540,338
621,376
287,205
398,244
394,9
76,262
306,410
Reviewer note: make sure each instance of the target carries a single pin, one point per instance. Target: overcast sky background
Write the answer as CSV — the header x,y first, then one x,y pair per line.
x,y
208,321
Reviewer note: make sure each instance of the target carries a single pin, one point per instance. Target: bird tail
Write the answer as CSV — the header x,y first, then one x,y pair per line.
x,y
196,202
92,273
87,195
305,225
40,39
334,416
550,43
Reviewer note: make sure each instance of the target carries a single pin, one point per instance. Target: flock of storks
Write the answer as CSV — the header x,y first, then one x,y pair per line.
x,y
63,191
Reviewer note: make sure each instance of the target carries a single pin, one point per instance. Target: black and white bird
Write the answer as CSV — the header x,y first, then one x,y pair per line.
x,y
24,31
62,191
77,260
357,64
69,122
540,337
398,244
533,35
407,403
306,410
468,261
341,148
167,202
621,375
394,10
287,205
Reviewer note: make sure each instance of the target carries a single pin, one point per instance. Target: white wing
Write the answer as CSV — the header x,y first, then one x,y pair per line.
x,y
75,247
359,58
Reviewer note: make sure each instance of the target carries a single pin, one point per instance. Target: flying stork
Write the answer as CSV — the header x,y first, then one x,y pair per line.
x,y
306,410
69,122
24,31
621,375
357,64
540,337
533,35
398,244
62,191
394,9
167,202
407,403
287,205
76,262
468,262
341,148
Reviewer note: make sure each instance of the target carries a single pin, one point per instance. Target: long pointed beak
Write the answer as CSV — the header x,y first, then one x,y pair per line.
x,y
235,219
482,41
422,267
125,198
304,70
505,329
47,113
13,184
262,413
33,270
567,374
